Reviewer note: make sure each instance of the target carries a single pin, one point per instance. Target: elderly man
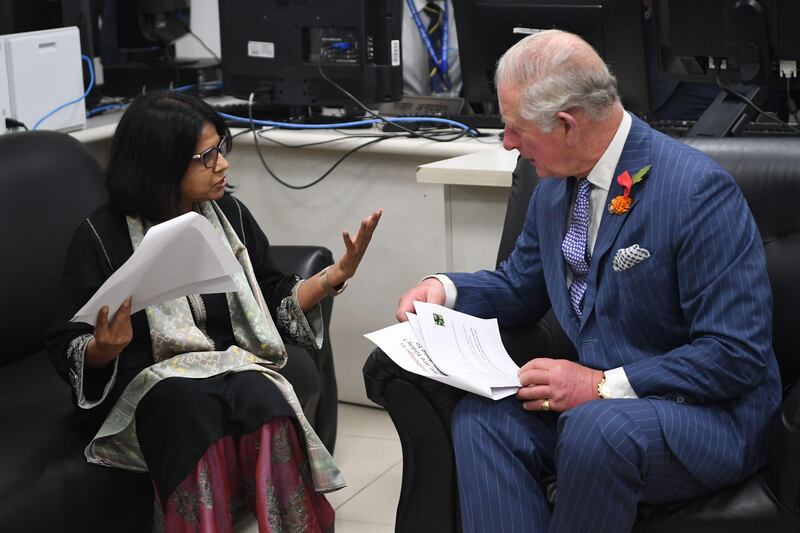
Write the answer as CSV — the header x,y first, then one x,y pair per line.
x,y
648,255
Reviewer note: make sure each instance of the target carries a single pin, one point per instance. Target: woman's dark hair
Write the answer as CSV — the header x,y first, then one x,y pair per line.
x,y
151,150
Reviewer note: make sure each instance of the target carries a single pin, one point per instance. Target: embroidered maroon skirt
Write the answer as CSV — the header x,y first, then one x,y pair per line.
x,y
216,444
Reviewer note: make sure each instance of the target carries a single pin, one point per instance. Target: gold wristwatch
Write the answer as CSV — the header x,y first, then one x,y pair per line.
x,y
602,389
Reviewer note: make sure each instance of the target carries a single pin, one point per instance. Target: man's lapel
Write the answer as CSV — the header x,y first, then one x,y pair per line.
x,y
635,155
555,272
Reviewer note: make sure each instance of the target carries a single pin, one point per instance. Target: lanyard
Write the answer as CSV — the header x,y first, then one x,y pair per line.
x,y
441,62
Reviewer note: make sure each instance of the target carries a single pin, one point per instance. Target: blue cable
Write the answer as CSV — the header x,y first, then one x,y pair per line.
x,y
184,88
289,125
62,106
292,125
107,107
100,109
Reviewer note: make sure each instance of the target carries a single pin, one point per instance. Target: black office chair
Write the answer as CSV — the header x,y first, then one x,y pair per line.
x,y
768,172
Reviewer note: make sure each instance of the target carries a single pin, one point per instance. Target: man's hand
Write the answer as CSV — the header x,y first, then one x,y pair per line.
x,y
110,338
564,383
429,290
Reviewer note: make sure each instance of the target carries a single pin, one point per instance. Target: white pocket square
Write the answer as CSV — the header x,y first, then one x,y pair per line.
x,y
627,257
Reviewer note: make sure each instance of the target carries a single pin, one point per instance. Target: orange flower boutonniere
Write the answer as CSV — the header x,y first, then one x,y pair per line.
x,y
621,204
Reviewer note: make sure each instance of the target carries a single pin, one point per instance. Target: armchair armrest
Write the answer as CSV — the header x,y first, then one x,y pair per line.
x,y
420,409
305,261
380,371
783,475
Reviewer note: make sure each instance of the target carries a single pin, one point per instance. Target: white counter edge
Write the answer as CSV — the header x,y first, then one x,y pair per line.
x,y
488,168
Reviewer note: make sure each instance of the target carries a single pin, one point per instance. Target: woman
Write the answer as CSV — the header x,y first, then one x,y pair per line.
x,y
187,390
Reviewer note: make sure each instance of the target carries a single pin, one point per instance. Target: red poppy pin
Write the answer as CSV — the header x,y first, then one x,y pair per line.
x,y
621,204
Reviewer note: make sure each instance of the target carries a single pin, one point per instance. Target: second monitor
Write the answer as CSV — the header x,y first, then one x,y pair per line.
x,y
276,49
487,28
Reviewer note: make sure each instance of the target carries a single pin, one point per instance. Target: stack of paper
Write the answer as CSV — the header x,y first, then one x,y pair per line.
x,y
451,347
178,257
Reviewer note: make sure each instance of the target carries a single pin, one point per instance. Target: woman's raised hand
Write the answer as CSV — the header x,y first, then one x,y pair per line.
x,y
355,247
334,276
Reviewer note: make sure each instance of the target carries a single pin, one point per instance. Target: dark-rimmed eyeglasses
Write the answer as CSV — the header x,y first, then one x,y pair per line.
x,y
209,157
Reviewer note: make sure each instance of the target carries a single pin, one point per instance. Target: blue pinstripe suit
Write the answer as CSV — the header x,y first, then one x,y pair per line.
x,y
691,325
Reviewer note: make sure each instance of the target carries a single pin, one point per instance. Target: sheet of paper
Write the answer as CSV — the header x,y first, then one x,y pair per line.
x,y
453,348
182,256
404,348
466,345
414,321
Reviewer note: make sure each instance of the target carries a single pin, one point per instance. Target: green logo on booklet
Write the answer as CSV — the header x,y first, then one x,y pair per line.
x,y
438,319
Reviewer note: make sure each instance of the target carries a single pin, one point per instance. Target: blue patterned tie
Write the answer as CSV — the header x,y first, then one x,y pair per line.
x,y
575,246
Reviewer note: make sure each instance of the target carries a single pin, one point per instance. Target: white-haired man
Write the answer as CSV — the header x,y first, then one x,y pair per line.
x,y
650,259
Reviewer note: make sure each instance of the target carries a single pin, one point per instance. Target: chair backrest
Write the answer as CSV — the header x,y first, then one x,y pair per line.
x,y
768,173
51,183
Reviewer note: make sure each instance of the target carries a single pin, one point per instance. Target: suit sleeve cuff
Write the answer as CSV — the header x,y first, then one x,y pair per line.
x,y
450,291
618,385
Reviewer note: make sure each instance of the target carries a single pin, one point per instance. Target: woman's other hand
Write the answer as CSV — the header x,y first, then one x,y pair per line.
x,y
110,338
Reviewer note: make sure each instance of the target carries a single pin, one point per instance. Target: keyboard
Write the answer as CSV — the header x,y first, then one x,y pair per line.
x,y
281,114
680,128
277,113
478,122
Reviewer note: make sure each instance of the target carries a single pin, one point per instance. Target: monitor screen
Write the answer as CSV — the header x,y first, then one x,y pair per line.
x,y
17,16
275,49
613,27
730,41
141,31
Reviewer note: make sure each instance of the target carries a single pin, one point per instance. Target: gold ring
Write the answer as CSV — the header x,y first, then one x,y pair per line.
x,y
545,405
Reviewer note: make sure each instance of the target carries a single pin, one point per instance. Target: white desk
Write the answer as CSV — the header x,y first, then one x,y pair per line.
x,y
412,239
487,168
476,193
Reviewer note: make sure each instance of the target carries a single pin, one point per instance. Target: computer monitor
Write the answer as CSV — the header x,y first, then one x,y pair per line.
x,y
735,41
138,49
18,16
487,28
746,45
142,30
275,48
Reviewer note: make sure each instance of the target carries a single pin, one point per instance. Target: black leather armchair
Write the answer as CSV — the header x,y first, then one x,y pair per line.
x,y
50,184
768,172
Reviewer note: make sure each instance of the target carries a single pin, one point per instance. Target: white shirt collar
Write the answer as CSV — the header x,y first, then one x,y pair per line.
x,y
603,172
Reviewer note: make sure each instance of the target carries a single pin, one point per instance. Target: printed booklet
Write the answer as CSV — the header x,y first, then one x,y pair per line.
x,y
453,348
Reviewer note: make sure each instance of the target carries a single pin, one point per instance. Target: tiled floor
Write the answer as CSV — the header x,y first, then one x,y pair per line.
x,y
368,453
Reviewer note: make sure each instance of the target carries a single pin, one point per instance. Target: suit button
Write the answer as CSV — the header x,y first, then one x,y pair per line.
x,y
680,399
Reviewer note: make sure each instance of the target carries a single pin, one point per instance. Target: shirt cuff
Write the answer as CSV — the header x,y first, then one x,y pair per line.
x,y
450,291
618,385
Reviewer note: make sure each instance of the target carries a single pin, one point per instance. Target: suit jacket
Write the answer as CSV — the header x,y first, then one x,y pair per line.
x,y
691,324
